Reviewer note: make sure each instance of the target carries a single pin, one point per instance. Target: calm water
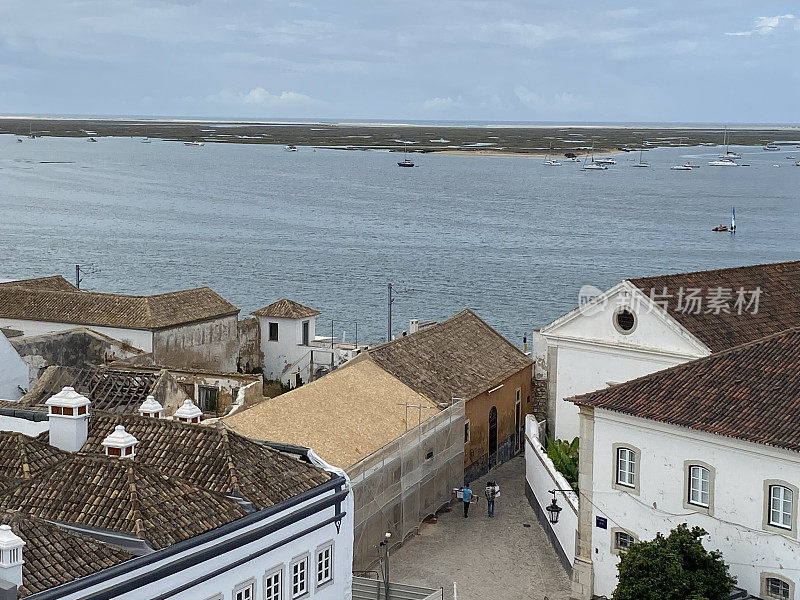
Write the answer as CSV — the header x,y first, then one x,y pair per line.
x,y
508,237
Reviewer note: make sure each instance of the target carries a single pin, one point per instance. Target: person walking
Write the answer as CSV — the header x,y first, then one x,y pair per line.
x,y
466,496
492,491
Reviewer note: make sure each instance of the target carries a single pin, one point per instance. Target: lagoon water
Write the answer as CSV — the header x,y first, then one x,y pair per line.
x,y
508,237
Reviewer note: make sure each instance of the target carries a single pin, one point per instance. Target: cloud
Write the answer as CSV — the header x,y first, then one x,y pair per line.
x,y
529,98
441,104
764,25
258,96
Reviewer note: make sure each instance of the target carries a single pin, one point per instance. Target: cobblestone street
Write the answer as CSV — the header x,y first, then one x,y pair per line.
x,y
489,559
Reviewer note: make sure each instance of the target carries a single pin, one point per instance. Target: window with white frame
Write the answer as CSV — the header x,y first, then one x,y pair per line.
x,y
777,588
299,577
699,486
626,467
325,564
273,585
781,499
244,591
623,540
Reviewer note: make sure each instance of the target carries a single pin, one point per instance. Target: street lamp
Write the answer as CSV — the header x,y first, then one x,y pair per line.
x,y
553,509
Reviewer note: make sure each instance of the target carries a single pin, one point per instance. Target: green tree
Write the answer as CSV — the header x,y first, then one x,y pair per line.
x,y
676,567
564,455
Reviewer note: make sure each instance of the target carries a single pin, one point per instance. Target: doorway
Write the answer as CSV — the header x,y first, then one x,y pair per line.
x,y
492,437
518,433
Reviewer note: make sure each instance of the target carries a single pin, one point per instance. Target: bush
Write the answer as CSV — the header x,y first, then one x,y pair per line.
x,y
564,455
676,567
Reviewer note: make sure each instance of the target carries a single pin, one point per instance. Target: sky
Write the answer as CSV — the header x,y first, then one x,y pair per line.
x,y
703,61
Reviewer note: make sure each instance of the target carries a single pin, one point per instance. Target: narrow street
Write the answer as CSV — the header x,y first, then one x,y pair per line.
x,y
489,559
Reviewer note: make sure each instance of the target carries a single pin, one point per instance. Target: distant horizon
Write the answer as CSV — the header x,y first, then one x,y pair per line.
x,y
397,121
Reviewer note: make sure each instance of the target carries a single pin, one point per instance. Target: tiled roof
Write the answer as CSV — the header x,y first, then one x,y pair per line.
x,y
22,457
53,282
460,357
121,495
211,458
54,556
778,306
751,392
113,310
286,309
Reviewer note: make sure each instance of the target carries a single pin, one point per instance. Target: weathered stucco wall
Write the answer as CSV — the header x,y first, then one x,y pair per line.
x,y
138,338
209,345
250,355
13,371
509,440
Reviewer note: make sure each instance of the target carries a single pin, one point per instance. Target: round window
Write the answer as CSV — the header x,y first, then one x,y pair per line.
x,y
625,321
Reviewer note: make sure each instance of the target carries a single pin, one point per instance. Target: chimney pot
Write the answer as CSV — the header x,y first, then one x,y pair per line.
x,y
120,443
188,413
10,555
68,419
151,408
413,326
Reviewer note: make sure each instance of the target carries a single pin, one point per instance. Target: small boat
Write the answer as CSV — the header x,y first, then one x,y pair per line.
x,y
593,166
776,166
194,143
723,162
572,159
406,162
551,162
641,163
146,140
790,158
91,139
680,168
772,147
797,164
290,148
691,166
720,228
605,161
19,140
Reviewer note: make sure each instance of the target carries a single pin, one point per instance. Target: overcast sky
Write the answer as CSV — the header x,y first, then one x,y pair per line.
x,y
733,61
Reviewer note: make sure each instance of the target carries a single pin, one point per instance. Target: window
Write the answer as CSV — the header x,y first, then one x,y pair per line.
x,y
300,577
245,591
622,540
626,467
624,321
466,431
305,333
699,486
207,397
324,564
775,586
780,506
273,332
234,393
273,585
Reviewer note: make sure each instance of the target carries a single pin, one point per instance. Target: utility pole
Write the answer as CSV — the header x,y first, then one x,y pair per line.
x,y
78,278
385,545
389,330
356,335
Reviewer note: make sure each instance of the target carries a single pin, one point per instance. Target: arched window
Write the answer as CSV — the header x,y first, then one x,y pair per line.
x,y
699,486
626,467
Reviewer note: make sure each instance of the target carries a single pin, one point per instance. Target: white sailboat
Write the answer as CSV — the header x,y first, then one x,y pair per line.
x,y
641,163
551,162
593,166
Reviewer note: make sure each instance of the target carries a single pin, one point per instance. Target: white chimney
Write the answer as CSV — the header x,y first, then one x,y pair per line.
x,y
120,443
10,556
69,419
151,408
413,326
188,413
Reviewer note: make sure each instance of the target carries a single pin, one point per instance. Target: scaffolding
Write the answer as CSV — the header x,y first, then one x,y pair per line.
x,y
396,487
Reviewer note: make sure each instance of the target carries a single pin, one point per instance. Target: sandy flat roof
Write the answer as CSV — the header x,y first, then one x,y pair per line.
x,y
344,416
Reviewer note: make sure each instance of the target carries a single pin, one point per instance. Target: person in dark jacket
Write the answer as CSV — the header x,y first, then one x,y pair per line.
x,y
492,491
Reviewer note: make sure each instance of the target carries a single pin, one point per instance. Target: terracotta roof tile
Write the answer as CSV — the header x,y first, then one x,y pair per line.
x,y
113,310
460,357
778,306
286,309
22,457
54,556
121,495
751,392
53,282
209,457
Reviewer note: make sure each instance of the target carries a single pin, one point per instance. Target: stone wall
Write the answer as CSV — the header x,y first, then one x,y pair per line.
x,y
250,356
212,345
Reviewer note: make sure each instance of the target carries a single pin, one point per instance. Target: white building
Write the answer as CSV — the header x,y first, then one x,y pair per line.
x,y
293,353
643,325
13,372
250,523
194,328
713,443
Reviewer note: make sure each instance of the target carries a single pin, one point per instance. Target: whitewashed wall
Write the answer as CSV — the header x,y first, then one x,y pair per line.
x,y
736,525
542,477
30,428
13,371
138,338
590,352
288,349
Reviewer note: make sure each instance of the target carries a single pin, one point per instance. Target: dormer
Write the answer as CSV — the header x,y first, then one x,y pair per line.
x,y
68,413
10,556
120,443
151,408
188,413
